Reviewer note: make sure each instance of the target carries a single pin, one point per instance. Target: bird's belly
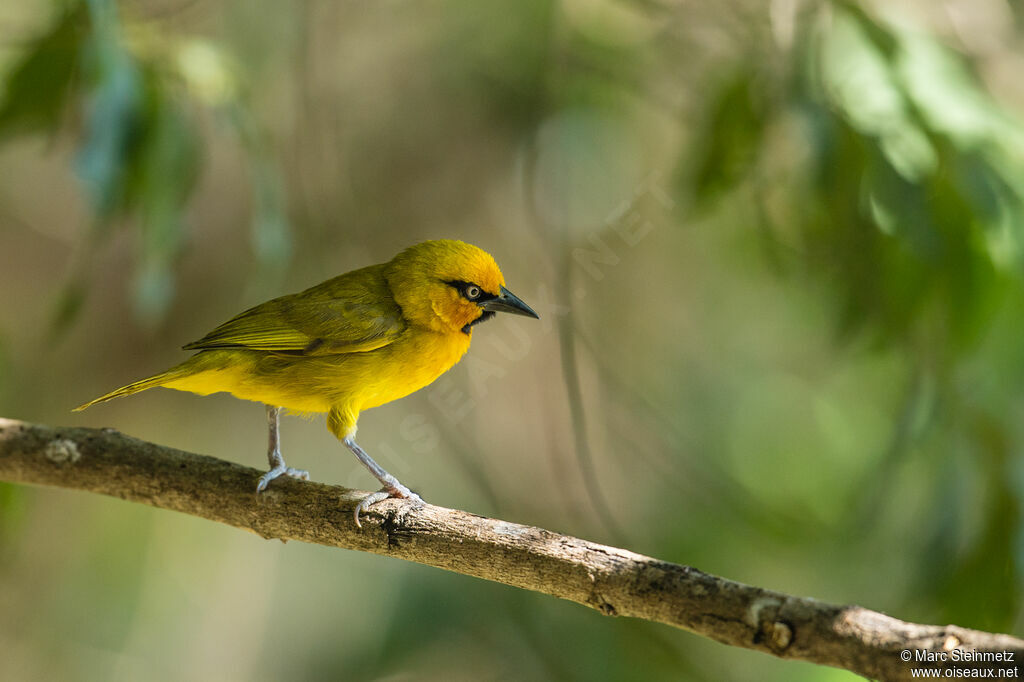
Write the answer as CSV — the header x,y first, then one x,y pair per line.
x,y
294,390
317,384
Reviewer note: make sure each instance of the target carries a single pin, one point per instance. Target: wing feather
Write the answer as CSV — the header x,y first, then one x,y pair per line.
x,y
351,313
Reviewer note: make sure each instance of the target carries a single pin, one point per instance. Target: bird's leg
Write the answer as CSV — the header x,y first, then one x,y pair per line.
x,y
392,488
274,457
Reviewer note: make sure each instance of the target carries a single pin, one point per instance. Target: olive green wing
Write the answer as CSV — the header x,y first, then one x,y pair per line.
x,y
348,314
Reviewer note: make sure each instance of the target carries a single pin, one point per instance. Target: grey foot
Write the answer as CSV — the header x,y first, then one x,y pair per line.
x,y
280,470
400,492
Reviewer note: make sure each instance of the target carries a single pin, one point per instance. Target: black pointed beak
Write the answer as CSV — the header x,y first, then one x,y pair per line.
x,y
507,302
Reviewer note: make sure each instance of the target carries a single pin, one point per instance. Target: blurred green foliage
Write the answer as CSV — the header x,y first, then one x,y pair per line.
x,y
910,189
781,246
36,89
908,204
135,94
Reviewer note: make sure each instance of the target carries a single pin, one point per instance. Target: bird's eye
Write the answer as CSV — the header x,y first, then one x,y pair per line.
x,y
472,292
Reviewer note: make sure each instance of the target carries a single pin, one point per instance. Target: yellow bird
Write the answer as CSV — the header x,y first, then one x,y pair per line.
x,y
354,342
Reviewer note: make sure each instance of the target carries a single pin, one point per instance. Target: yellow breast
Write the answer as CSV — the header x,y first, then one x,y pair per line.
x,y
406,366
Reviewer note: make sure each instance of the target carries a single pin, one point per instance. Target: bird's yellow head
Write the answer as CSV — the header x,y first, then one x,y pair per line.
x,y
449,286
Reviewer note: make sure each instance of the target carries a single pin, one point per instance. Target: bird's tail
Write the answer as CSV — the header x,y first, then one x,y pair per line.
x,y
140,385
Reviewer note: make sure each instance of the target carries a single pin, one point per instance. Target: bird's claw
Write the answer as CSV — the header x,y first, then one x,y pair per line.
x,y
383,494
280,470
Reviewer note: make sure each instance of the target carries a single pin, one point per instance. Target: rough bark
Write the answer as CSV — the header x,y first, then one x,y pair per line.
x,y
615,582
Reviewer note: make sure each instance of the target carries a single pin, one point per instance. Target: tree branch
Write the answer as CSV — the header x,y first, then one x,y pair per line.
x,y
616,582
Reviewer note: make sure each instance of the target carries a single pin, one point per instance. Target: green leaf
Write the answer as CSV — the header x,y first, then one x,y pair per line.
x,y
163,170
114,110
733,136
39,87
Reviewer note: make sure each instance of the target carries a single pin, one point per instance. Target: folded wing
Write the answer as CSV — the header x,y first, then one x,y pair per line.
x,y
348,314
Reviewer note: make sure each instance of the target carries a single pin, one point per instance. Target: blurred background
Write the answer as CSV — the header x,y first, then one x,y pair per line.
x,y
776,247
